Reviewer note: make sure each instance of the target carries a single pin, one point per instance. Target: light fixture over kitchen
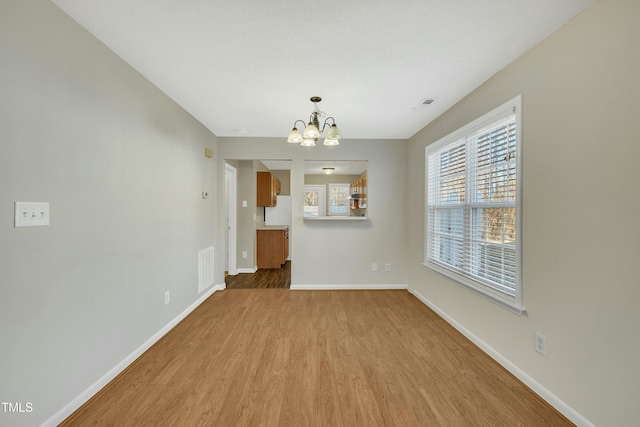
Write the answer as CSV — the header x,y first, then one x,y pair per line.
x,y
328,171
312,131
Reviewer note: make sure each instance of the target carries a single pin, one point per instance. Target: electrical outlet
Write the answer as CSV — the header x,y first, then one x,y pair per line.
x,y
387,267
244,254
374,266
541,344
166,298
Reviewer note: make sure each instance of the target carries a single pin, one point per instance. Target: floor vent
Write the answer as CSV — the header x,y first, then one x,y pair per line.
x,y
206,263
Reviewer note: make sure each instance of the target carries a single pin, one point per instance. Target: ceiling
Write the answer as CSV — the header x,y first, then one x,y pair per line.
x,y
316,167
248,68
341,167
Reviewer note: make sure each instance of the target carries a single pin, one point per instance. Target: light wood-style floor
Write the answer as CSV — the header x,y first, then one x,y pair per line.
x,y
271,278
276,357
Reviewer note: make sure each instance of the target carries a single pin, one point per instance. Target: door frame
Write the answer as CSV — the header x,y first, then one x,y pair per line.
x,y
231,190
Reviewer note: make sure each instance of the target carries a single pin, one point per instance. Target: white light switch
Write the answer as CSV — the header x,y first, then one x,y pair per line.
x,y
244,203
31,214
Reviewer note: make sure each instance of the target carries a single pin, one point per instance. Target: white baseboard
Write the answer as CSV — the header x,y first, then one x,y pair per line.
x,y
247,270
538,388
69,408
346,287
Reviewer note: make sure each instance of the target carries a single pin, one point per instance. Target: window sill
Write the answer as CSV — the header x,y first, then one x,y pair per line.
x,y
493,296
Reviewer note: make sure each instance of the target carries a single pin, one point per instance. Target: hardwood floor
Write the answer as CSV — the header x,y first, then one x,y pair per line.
x,y
276,357
263,278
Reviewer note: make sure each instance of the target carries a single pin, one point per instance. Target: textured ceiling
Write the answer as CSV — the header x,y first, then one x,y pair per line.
x,y
248,68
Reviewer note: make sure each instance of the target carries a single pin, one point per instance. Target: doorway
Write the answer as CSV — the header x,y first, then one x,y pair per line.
x,y
230,187
251,217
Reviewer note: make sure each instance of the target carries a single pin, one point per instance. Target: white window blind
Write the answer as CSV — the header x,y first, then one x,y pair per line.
x,y
472,205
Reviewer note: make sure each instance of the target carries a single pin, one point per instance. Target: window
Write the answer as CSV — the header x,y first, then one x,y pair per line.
x,y
339,199
313,201
472,212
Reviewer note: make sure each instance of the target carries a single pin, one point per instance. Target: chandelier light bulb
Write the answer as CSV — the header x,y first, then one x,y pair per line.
x,y
308,142
333,136
295,137
311,131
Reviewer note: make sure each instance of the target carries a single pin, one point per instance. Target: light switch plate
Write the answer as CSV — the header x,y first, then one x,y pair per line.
x,y
31,214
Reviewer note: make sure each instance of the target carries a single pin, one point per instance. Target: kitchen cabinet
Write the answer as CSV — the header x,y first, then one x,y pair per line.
x,y
272,246
268,188
359,193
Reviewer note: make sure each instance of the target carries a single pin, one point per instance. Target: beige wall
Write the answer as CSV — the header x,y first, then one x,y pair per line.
x,y
329,179
246,225
580,92
349,248
123,169
285,181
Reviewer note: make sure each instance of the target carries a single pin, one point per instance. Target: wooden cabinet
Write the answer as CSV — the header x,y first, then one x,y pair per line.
x,y
273,247
268,188
359,193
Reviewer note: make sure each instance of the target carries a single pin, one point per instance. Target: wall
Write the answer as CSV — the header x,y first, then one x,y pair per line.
x,y
330,179
285,181
348,248
123,168
581,236
246,226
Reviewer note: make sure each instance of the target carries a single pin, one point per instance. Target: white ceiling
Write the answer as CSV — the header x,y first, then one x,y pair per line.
x,y
315,167
248,68
341,167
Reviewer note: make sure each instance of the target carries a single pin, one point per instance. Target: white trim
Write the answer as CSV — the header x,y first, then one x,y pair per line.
x,y
94,388
318,287
232,215
247,270
480,290
514,303
482,121
336,218
537,388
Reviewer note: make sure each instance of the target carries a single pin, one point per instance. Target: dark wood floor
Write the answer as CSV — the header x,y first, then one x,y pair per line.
x,y
263,278
277,357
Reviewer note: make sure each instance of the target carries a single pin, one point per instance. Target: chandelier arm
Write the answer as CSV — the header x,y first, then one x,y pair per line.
x,y
325,124
301,121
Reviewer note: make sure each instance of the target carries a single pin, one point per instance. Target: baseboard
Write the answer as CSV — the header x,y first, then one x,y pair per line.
x,y
347,287
538,388
72,406
247,270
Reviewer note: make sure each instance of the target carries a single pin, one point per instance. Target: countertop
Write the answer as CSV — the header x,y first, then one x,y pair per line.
x,y
272,227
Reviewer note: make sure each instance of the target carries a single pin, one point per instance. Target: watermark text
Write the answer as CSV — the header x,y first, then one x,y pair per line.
x,y
16,407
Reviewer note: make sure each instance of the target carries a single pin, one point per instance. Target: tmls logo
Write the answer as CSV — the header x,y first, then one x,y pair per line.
x,y
16,407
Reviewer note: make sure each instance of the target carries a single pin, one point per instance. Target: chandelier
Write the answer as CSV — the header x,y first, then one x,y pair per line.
x,y
313,131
